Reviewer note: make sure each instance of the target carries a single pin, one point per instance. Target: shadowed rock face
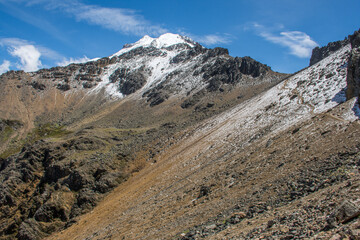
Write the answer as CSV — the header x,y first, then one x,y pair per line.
x,y
353,78
319,54
129,82
230,71
64,189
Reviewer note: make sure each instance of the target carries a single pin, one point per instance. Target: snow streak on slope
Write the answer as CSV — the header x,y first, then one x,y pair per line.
x,y
312,91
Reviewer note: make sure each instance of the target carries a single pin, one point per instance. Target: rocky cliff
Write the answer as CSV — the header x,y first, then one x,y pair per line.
x,y
319,53
353,79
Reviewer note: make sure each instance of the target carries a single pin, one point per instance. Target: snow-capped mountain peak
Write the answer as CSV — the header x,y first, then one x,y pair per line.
x,y
165,40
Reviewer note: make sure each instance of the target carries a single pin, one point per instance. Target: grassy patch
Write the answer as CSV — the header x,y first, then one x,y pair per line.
x,y
7,128
48,130
10,151
6,133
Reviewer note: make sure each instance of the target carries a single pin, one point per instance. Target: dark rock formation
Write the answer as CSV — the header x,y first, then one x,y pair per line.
x,y
140,51
211,53
87,85
42,190
230,71
38,86
192,100
156,97
63,87
249,66
353,75
319,53
129,81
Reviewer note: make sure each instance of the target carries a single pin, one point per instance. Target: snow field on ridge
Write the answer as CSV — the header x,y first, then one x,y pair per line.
x,y
165,40
158,68
312,91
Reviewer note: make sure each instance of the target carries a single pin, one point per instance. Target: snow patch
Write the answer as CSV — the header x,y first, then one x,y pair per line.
x,y
312,91
165,40
157,67
111,89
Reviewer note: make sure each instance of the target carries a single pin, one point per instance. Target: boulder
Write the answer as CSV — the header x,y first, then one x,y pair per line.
x,y
58,206
344,213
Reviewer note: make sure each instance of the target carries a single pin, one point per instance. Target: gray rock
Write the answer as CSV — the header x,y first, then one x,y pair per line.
x,y
129,81
30,230
319,53
355,39
63,87
38,86
353,71
58,206
78,180
344,213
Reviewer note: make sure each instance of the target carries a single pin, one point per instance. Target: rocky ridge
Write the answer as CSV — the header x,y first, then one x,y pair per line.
x,y
319,53
179,127
254,171
85,128
151,70
353,80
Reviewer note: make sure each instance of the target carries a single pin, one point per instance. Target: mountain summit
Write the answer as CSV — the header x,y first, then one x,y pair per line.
x,y
165,40
76,132
187,142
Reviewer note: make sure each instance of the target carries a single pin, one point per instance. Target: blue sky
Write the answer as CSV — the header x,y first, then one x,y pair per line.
x,y
38,34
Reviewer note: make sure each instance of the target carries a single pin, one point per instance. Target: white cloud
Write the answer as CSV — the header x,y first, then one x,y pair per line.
x,y
29,57
12,42
5,66
120,20
28,54
117,19
66,62
49,53
299,43
212,39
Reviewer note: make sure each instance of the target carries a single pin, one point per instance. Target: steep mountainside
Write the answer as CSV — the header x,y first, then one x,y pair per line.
x,y
73,133
149,72
186,143
282,165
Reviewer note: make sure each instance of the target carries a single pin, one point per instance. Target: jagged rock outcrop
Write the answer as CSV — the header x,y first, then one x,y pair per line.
x,y
319,53
129,81
353,77
42,188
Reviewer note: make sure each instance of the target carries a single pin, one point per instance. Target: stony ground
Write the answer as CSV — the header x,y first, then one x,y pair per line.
x,y
230,161
283,186
55,171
